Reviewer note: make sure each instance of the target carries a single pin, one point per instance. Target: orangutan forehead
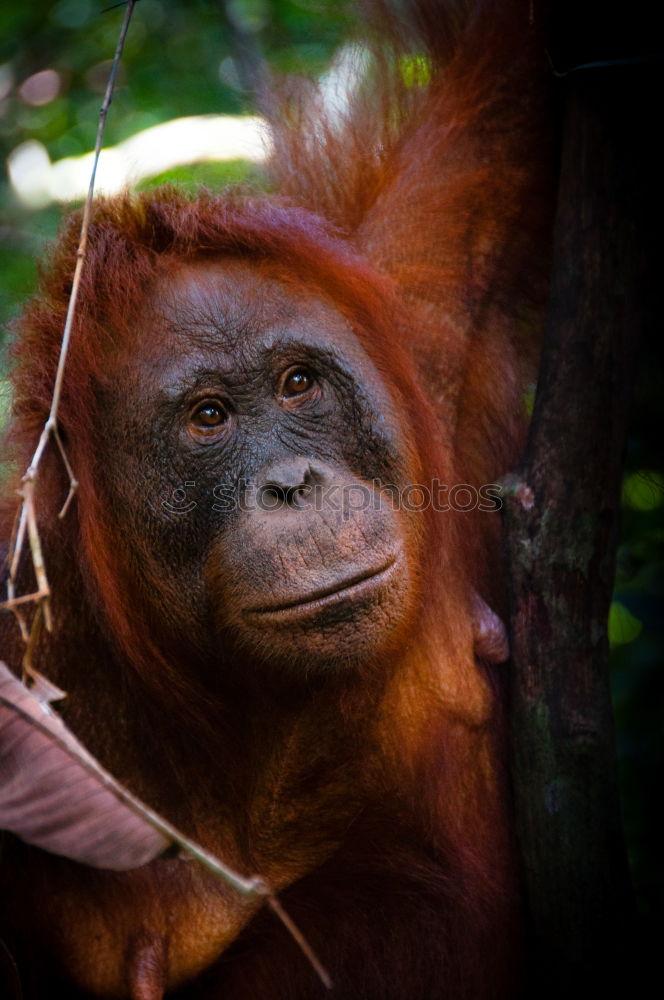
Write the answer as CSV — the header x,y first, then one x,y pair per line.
x,y
228,307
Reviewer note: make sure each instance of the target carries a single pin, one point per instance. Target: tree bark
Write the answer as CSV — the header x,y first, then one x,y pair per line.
x,y
561,530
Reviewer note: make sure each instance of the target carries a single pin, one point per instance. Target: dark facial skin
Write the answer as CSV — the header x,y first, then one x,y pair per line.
x,y
251,439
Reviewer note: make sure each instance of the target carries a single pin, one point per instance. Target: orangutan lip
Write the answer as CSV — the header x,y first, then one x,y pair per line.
x,y
319,596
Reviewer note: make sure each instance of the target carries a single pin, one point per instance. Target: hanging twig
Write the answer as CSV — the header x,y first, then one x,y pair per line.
x,y
27,520
298,937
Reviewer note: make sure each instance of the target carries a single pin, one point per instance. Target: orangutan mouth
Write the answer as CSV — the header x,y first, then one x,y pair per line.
x,y
353,587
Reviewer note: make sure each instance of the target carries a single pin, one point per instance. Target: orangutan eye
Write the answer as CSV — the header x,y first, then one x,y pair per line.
x,y
296,382
208,415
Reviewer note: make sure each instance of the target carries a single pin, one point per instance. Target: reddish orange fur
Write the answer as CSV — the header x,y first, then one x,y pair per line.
x,y
399,867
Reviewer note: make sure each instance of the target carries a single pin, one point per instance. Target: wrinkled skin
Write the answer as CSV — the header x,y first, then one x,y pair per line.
x,y
248,445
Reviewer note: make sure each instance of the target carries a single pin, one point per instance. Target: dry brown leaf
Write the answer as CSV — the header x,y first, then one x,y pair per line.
x,y
55,795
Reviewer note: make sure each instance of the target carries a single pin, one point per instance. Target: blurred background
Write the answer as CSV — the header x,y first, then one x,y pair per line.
x,y
182,59
188,66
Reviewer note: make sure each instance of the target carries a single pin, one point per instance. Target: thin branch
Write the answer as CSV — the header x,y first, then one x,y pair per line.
x,y
15,547
300,940
85,225
32,598
37,554
73,482
27,523
29,671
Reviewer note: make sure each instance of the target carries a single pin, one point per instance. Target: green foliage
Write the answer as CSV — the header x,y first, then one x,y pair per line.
x,y
415,70
178,61
644,490
212,175
637,674
23,239
623,626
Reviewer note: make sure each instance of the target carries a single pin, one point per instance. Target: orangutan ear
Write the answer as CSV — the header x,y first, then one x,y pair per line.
x,y
489,633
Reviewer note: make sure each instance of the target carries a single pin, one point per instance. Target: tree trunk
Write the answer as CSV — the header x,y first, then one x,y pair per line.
x,y
561,525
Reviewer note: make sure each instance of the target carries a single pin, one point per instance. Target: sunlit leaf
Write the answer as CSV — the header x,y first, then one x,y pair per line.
x,y
643,490
623,626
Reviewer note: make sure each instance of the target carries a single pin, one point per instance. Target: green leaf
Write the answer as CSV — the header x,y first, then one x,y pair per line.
x,y
623,626
643,490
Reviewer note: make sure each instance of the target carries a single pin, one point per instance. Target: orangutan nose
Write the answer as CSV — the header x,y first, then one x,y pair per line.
x,y
290,484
